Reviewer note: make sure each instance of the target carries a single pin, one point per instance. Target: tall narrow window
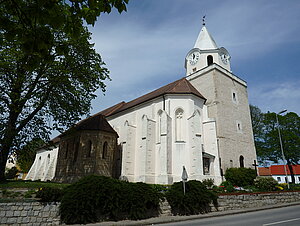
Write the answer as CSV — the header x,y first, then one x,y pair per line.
x,y
76,151
179,124
206,166
104,151
242,161
67,149
89,150
234,97
210,60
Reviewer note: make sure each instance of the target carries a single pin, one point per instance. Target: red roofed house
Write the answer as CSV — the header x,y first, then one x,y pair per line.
x,y
278,173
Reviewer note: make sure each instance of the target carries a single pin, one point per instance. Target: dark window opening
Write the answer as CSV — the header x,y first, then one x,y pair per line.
x,y
242,161
206,166
90,146
210,60
104,152
76,151
67,149
234,96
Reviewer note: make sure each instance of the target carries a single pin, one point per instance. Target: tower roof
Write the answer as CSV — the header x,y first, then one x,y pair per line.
x,y
205,40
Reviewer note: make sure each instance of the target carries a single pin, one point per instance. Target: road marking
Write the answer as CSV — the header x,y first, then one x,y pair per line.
x,y
280,222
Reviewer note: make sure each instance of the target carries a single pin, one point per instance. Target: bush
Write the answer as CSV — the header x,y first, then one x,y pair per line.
x,y
225,186
266,183
240,176
196,199
49,194
96,198
208,183
11,173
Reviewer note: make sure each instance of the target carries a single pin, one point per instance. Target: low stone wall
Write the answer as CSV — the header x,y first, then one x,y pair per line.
x,y
35,213
28,213
241,201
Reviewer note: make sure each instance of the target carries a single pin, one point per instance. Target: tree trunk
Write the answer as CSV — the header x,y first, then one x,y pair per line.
x,y
3,159
292,172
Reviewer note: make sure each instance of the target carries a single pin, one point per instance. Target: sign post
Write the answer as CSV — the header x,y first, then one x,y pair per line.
x,y
184,178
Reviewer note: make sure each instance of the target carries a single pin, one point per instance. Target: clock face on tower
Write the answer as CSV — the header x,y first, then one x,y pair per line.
x,y
224,58
194,57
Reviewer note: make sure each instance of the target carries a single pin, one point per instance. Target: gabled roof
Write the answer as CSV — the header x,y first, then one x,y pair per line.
x,y
95,122
278,170
205,41
181,86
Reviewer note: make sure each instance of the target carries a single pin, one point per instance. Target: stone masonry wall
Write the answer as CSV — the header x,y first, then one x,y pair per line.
x,y
241,201
28,213
35,213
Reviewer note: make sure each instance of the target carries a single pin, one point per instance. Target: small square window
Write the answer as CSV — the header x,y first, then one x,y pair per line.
x,y
278,179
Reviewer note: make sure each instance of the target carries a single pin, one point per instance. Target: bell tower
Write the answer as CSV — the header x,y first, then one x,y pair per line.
x,y
208,70
205,53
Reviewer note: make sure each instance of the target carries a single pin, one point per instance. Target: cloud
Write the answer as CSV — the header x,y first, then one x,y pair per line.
x,y
275,97
145,47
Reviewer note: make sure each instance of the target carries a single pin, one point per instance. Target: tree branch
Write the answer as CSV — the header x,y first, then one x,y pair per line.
x,y
35,111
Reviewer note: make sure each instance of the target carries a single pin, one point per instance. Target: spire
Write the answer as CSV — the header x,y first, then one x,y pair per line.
x,y
204,40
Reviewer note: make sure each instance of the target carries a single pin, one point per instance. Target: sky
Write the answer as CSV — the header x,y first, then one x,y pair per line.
x,y
145,47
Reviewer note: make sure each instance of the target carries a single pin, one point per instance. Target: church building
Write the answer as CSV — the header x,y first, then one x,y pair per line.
x,y
200,122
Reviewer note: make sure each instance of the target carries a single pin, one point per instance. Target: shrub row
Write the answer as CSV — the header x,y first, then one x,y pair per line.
x,y
97,198
195,200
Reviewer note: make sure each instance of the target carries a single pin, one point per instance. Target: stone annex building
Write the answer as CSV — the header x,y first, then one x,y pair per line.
x,y
201,121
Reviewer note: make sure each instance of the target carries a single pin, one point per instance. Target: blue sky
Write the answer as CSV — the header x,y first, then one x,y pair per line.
x,y
145,47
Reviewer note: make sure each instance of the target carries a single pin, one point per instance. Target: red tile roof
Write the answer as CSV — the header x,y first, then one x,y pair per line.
x,y
181,86
278,170
264,171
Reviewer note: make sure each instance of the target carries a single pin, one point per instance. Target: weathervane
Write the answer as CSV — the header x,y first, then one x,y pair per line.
x,y
203,20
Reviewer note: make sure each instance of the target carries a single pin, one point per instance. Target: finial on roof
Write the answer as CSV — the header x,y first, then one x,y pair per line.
x,y
203,20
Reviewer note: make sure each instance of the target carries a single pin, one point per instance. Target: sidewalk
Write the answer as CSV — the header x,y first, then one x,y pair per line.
x,y
169,219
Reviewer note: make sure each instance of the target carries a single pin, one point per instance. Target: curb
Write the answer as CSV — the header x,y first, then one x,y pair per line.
x,y
170,219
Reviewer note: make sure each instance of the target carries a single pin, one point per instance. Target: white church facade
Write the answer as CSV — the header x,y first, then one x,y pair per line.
x,y
201,122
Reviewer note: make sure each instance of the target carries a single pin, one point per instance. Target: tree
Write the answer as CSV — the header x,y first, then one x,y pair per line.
x,y
49,70
267,138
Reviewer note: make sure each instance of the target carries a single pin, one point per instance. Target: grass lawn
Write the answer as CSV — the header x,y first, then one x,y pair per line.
x,y
29,184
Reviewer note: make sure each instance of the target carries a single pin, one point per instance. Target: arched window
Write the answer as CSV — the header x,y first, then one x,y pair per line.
x,y
104,151
67,149
242,161
76,151
89,148
179,124
210,60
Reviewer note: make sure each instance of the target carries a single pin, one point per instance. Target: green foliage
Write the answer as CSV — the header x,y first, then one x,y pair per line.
x,y
11,173
49,70
266,183
266,136
226,186
240,176
29,184
96,198
196,199
49,194
208,183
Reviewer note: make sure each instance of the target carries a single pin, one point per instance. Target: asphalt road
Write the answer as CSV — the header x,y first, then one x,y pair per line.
x,y
285,216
